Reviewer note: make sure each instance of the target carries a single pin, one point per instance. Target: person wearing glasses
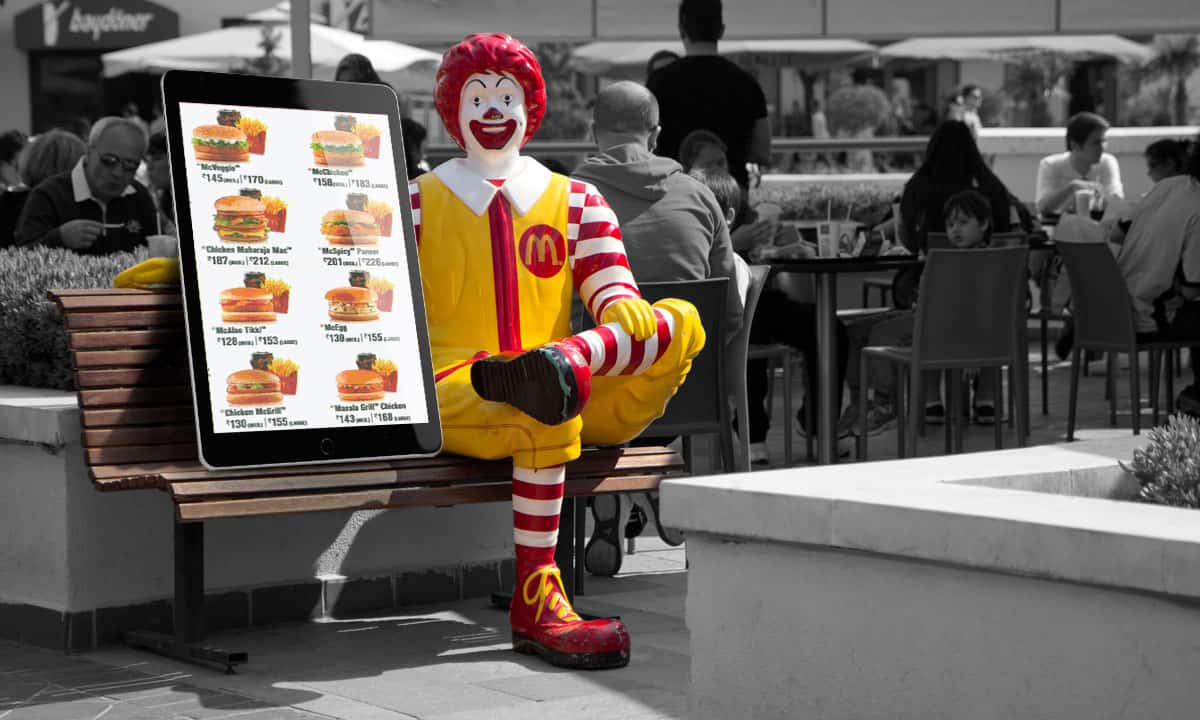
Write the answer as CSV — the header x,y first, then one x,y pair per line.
x,y
97,207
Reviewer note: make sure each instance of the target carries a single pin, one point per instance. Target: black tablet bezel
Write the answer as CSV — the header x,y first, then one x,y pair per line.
x,y
287,447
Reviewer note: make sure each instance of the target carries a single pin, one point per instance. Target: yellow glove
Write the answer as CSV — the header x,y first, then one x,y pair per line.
x,y
634,315
155,273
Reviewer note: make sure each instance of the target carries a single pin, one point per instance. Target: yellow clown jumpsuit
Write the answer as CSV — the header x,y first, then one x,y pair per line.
x,y
488,289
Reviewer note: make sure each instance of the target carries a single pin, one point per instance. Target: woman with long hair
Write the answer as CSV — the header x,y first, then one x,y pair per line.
x,y
952,164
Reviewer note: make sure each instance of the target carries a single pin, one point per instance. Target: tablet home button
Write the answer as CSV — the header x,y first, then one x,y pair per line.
x,y
326,446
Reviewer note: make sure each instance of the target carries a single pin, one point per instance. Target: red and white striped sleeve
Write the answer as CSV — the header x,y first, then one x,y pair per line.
x,y
595,251
414,198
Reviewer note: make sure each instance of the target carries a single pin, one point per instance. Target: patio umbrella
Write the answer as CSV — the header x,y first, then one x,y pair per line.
x,y
1004,48
628,59
282,13
221,50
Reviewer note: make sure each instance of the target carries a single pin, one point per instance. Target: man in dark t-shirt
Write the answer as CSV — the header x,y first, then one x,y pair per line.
x,y
97,207
705,90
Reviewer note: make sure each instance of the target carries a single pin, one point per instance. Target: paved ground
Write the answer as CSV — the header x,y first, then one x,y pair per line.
x,y
451,661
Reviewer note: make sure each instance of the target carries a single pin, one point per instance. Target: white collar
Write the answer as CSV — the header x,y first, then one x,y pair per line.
x,y
523,188
83,191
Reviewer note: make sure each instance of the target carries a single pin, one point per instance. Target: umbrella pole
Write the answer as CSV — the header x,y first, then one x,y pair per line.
x,y
301,39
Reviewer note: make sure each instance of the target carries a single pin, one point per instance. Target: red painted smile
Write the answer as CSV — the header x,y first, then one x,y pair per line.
x,y
493,136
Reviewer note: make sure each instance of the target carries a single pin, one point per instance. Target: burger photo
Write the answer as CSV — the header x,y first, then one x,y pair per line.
x,y
220,143
350,227
247,304
253,387
352,304
336,147
359,385
240,219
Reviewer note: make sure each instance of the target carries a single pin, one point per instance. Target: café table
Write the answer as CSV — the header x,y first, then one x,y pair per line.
x,y
826,271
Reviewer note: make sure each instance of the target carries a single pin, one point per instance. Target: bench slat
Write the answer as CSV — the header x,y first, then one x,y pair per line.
x,y
145,357
154,435
140,377
121,397
75,292
124,301
421,496
139,453
120,339
122,417
443,468
124,319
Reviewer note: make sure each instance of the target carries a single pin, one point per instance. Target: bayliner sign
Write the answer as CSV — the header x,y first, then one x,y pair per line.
x,y
94,24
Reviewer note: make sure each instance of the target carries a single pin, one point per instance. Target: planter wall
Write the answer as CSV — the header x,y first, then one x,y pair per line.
x,y
1015,583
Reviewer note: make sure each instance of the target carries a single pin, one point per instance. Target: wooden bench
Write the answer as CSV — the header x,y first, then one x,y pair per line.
x,y
131,369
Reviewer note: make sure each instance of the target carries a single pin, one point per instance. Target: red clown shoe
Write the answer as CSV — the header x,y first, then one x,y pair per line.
x,y
543,623
550,384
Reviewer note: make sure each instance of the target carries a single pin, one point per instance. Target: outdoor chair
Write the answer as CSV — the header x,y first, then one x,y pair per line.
x,y
701,406
940,241
742,351
1105,321
950,335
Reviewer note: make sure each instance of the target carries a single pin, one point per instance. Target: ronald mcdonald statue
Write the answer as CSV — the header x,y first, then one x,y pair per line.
x,y
504,243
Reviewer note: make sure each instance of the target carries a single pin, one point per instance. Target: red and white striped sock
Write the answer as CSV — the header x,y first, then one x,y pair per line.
x,y
537,502
609,350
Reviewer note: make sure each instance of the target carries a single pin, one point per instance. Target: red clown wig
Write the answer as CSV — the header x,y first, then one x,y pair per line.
x,y
492,53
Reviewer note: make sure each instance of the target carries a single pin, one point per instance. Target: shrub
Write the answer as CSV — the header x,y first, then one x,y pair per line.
x,y
1168,468
856,108
34,349
867,203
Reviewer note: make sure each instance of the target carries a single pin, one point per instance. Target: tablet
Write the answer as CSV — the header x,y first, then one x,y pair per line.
x,y
302,296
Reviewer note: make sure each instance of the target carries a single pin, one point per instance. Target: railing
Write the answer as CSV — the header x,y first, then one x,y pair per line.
x,y
914,143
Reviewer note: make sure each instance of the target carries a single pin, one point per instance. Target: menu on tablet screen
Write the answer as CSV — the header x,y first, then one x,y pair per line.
x,y
303,275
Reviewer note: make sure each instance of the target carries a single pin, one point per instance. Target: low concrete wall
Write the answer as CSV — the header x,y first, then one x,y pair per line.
x,y
930,588
67,549
1015,154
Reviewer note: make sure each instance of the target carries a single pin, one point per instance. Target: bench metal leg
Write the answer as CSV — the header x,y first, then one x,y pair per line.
x,y
188,608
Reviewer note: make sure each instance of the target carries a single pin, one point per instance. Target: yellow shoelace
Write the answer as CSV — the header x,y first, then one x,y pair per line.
x,y
549,575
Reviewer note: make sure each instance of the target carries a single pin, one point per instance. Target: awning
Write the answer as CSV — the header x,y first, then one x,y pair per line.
x,y
629,58
1004,48
221,50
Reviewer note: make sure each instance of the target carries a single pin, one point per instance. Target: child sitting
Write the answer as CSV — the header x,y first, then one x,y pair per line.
x,y
968,225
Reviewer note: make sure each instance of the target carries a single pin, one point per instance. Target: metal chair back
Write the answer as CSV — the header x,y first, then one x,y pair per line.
x,y
735,369
701,405
1100,304
968,308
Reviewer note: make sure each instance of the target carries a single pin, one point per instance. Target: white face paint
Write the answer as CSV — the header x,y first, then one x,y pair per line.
x,y
492,116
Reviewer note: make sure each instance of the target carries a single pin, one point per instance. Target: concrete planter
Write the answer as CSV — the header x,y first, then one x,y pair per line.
x,y
79,567
992,585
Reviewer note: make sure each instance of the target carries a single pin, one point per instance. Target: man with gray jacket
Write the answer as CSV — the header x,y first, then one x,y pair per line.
x,y
673,229
671,223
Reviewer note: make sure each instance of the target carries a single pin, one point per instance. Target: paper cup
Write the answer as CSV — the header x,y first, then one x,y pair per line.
x,y
1083,202
163,246
836,237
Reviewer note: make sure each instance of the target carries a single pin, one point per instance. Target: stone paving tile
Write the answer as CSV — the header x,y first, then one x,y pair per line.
x,y
606,706
38,684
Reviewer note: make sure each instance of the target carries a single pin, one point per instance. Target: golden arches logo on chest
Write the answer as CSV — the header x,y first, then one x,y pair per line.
x,y
543,250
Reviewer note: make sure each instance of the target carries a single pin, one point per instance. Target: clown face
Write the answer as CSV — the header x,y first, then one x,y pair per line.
x,y
492,115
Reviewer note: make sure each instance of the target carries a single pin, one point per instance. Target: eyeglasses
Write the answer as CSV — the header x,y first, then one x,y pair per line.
x,y
111,161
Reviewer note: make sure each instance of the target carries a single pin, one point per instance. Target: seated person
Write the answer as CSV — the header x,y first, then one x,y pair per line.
x,y
97,207
1084,166
1166,158
672,225
780,319
1160,259
968,222
51,153
952,164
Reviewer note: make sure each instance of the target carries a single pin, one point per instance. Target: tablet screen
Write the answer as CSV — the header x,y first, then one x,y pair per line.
x,y
305,305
